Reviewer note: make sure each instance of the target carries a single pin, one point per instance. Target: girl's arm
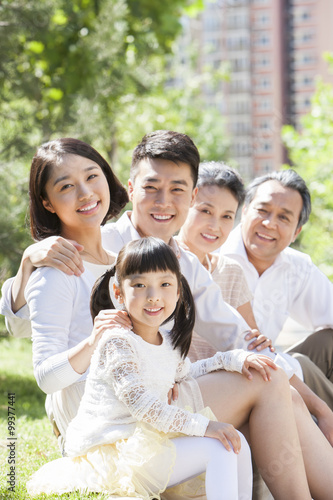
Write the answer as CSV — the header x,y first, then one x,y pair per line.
x,y
236,360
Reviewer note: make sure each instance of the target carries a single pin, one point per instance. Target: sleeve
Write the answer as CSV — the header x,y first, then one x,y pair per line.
x,y
120,368
312,307
18,325
230,361
49,294
220,324
230,277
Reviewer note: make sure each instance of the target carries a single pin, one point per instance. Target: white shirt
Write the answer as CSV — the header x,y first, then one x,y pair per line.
x,y
291,287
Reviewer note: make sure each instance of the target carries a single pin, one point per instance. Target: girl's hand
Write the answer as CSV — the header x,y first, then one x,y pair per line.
x,y
261,363
106,319
226,433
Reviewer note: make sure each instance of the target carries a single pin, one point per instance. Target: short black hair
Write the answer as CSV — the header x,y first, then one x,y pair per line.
x,y
167,145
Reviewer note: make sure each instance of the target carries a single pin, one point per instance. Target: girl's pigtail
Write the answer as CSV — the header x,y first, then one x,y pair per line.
x,y
184,319
100,296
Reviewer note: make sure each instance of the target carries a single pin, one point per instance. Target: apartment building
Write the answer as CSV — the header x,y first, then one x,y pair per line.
x,y
274,50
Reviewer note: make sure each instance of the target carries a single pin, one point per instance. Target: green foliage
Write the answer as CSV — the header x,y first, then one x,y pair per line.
x,y
311,152
97,70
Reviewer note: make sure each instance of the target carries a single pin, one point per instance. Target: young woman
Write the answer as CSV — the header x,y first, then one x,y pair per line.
x,y
72,192
126,394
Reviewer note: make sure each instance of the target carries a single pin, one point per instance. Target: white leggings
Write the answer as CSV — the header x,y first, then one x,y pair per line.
x,y
228,476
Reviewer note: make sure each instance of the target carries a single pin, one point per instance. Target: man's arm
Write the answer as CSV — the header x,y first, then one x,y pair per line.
x,y
54,252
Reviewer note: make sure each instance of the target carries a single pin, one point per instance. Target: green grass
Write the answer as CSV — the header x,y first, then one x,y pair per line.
x,y
35,443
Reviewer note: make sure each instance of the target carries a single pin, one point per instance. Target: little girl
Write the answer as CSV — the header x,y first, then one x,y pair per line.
x,y
126,439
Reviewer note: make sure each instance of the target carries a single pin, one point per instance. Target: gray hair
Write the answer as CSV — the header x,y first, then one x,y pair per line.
x,y
289,179
213,173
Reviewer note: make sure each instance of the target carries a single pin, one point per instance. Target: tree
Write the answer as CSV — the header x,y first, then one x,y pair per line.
x,y
92,69
311,152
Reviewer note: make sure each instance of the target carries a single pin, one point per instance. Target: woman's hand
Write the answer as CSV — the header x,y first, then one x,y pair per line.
x,y
106,319
226,433
261,363
260,341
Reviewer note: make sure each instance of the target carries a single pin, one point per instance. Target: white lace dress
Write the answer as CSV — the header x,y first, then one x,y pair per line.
x,y
120,440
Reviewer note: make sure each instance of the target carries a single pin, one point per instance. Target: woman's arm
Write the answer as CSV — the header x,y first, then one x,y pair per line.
x,y
60,320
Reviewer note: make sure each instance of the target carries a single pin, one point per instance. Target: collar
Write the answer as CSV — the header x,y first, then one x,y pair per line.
x,y
125,227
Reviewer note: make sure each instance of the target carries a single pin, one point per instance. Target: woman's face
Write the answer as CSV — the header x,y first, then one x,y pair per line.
x,y
78,192
210,220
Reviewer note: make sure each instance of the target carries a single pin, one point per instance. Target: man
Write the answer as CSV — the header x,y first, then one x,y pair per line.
x,y
162,188
284,282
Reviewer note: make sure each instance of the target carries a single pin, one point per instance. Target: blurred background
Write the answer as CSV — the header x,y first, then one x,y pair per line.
x,y
249,81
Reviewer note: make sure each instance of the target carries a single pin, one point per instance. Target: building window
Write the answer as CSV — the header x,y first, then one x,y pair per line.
x,y
261,19
262,39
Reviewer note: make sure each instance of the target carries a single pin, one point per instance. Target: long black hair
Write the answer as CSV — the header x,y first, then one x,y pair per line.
x,y
143,256
43,223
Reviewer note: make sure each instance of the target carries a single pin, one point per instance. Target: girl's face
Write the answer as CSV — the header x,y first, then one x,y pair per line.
x,y
78,192
210,220
149,298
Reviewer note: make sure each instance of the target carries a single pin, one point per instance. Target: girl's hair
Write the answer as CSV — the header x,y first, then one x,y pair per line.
x,y
219,174
143,256
44,223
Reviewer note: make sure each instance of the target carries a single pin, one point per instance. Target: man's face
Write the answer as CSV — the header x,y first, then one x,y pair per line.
x,y
269,223
162,194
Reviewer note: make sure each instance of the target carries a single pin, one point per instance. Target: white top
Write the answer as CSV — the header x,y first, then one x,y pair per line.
x,y
60,319
292,286
129,381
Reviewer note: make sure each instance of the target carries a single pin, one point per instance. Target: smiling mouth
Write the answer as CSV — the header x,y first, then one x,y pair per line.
x,y
89,207
153,311
209,237
265,237
162,217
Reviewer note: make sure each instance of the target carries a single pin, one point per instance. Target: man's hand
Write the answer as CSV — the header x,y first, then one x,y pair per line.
x,y
261,363
173,393
56,252
260,342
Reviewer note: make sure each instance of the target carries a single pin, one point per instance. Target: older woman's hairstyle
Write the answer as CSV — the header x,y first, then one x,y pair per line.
x,y
289,179
143,256
166,145
219,174
44,223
